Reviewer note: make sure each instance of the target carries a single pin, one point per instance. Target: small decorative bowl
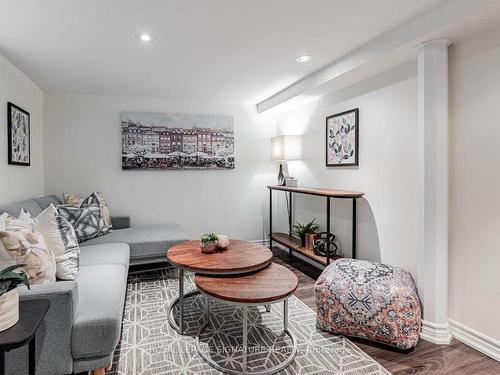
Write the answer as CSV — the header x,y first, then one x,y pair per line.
x,y
223,241
208,247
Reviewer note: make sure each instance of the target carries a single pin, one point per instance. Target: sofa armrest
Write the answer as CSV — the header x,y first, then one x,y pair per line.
x,y
64,293
53,338
120,222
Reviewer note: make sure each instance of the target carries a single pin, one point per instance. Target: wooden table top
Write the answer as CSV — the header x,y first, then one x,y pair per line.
x,y
319,191
273,283
240,257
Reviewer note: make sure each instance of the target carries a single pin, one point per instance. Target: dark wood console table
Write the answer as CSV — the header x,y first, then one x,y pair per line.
x,y
31,314
292,243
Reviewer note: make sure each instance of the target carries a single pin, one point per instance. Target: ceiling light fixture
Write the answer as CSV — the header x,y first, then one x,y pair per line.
x,y
304,58
145,37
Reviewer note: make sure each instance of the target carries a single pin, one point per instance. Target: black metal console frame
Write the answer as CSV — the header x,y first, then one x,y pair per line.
x,y
328,214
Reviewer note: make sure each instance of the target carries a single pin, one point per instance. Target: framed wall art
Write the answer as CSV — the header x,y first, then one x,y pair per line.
x,y
18,127
342,139
177,141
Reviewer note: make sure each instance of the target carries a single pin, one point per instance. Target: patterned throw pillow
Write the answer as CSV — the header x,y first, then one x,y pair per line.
x,y
88,222
24,246
61,240
96,198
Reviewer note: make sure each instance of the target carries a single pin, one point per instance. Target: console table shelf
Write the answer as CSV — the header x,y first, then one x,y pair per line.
x,y
292,243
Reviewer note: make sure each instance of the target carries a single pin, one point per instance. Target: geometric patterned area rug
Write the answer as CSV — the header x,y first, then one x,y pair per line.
x,y
149,346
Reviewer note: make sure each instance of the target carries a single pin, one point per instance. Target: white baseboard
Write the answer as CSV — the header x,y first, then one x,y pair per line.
x,y
475,339
441,333
437,333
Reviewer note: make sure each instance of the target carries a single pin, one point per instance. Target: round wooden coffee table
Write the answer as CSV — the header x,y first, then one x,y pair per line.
x,y
272,284
241,257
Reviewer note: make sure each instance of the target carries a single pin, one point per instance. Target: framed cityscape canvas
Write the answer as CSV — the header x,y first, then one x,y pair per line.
x,y
18,136
177,141
342,138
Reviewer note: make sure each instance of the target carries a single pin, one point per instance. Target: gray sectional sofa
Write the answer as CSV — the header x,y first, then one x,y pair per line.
x,y
82,327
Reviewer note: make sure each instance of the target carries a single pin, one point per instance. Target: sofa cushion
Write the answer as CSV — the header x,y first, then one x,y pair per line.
x,y
15,208
151,241
96,329
45,202
113,253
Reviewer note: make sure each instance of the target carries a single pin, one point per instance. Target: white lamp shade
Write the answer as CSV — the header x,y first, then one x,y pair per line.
x,y
286,147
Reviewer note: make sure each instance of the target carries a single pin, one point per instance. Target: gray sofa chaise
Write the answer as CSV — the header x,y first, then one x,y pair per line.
x,y
82,327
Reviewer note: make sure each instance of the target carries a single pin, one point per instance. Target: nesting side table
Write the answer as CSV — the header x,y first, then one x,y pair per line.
x,y
270,285
241,257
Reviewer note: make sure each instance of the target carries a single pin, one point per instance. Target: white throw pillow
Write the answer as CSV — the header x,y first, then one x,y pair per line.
x,y
5,260
26,218
11,223
2,221
23,222
61,239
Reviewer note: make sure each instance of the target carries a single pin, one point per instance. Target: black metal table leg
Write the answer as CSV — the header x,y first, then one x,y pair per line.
x,y
32,356
354,228
2,362
290,221
271,219
328,230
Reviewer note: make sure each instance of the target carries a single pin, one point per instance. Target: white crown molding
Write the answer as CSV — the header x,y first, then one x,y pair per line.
x,y
484,344
437,333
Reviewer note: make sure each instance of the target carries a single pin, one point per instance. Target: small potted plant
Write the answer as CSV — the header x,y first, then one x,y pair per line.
x,y
208,242
303,230
9,295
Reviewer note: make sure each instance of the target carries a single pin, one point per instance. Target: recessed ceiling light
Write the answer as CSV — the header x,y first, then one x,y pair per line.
x,y
304,58
145,37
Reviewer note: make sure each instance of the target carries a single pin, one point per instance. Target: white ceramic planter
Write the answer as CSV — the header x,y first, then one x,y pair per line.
x,y
223,241
9,309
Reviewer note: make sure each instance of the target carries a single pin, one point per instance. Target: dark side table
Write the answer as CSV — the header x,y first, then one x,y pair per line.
x,y
31,314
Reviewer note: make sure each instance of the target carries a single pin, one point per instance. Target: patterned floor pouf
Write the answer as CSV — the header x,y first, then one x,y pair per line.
x,y
370,300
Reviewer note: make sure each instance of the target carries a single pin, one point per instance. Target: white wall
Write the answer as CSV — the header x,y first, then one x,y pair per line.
x,y
474,254
387,172
83,152
19,182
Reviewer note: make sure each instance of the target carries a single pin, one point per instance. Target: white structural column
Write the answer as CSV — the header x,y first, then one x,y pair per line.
x,y
433,148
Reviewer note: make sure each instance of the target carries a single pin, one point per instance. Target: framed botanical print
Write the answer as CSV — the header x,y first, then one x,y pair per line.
x,y
342,138
18,126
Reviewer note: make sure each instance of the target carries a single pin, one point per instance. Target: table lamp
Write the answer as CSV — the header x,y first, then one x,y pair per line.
x,y
284,148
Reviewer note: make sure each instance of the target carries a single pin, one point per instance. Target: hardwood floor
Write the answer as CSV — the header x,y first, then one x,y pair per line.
x,y
456,358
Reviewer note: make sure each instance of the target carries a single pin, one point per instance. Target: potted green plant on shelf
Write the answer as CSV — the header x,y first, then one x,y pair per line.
x,y
208,242
9,295
305,230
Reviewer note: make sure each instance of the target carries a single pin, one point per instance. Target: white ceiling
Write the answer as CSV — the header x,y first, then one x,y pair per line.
x,y
241,50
